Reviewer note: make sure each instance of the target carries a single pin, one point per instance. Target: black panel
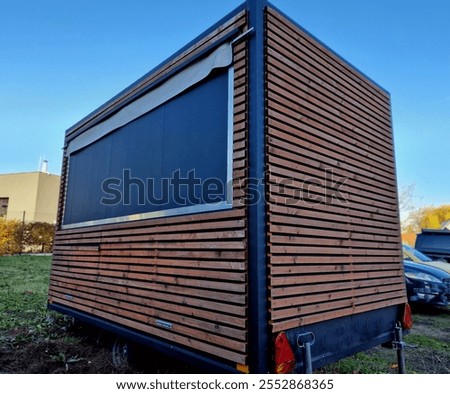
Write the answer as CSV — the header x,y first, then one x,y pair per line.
x,y
344,336
175,156
86,174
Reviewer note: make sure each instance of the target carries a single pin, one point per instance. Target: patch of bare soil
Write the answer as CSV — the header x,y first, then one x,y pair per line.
x,y
68,353
55,356
73,349
427,362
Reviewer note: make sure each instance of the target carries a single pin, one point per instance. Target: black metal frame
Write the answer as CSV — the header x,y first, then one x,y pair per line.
x,y
257,221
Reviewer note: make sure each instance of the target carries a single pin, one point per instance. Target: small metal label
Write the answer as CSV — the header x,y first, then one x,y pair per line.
x,y
164,324
68,297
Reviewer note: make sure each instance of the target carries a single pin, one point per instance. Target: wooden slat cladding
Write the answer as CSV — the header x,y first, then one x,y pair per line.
x,y
333,233
189,271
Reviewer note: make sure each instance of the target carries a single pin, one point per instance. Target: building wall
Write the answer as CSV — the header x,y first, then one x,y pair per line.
x,y
47,198
33,196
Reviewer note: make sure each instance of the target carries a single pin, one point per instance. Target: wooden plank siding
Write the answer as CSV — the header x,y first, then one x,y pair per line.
x,y
333,233
188,270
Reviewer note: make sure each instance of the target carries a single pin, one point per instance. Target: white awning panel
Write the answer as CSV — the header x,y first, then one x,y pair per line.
x,y
221,57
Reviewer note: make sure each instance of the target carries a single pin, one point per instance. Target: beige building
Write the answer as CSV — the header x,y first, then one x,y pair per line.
x,y
29,196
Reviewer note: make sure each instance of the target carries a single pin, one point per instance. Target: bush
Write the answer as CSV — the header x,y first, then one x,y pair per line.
x,y
38,237
10,236
16,237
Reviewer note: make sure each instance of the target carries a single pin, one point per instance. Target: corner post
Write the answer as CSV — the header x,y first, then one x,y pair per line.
x,y
257,248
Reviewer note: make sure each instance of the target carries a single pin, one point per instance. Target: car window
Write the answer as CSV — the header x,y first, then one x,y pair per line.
x,y
415,253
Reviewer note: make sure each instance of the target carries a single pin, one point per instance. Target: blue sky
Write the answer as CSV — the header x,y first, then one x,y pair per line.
x,y
59,60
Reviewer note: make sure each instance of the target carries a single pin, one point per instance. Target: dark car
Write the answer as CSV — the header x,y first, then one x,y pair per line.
x,y
434,243
427,285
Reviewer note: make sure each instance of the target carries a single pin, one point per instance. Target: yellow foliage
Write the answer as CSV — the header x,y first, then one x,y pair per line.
x,y
17,237
428,217
10,239
433,217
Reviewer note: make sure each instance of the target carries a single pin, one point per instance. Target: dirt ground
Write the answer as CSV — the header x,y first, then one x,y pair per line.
x,y
74,349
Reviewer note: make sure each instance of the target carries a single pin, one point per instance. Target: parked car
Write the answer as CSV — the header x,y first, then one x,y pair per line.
x,y
434,243
426,284
411,254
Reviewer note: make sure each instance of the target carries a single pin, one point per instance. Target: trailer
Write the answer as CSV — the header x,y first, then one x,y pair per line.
x,y
237,206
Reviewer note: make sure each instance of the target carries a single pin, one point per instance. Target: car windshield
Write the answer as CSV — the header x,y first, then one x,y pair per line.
x,y
417,254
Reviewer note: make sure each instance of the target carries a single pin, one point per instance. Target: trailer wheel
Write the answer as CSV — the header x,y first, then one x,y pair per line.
x,y
120,352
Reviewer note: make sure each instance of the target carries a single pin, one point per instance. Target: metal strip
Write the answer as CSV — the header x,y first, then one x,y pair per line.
x,y
230,139
243,36
223,205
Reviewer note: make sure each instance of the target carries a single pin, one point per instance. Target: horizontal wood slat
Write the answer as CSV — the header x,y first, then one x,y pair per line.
x,y
352,81
304,289
158,309
189,271
345,309
322,150
234,301
140,323
323,225
333,242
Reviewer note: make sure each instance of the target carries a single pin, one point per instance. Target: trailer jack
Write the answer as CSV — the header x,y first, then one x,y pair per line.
x,y
398,344
304,342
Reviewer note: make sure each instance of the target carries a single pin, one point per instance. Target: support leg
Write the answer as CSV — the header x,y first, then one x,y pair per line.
x,y
399,345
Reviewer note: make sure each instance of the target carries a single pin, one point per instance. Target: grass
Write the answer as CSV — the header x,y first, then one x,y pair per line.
x,y
374,361
427,351
23,290
436,318
24,316
423,341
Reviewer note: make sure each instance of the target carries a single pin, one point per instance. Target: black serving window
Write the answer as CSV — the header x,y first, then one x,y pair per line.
x,y
175,159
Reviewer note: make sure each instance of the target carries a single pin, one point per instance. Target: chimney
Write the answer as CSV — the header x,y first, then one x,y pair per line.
x,y
44,166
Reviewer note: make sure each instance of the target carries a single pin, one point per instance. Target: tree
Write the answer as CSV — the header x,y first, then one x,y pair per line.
x,y
406,205
427,217
405,198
